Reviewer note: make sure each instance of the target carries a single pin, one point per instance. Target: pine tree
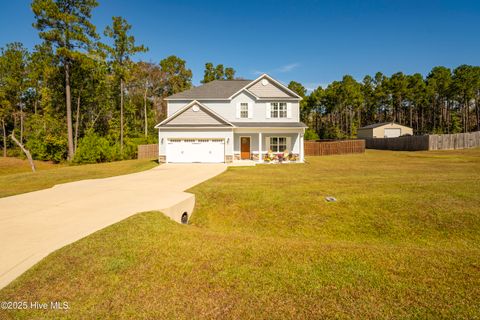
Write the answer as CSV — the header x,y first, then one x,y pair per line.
x,y
65,24
120,55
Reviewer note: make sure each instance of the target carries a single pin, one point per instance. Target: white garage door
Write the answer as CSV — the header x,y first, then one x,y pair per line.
x,y
392,133
195,150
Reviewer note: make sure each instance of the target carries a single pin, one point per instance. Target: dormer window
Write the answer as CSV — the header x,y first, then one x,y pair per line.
x,y
278,110
243,110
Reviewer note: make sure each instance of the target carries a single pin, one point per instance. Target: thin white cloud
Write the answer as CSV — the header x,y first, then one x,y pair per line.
x,y
288,67
283,69
257,72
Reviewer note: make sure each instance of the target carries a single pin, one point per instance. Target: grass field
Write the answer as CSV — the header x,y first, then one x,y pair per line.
x,y
16,176
11,165
402,242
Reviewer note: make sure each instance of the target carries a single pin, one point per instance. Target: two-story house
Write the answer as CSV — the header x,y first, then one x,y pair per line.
x,y
226,120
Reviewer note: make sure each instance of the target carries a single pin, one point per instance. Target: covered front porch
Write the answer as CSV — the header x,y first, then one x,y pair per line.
x,y
268,144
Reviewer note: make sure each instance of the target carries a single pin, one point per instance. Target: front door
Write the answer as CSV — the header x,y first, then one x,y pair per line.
x,y
245,148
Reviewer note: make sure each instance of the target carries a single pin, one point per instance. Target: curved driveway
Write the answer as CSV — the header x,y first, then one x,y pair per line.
x,y
34,224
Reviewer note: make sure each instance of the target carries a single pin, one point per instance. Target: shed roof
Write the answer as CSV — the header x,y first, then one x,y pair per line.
x,y
381,124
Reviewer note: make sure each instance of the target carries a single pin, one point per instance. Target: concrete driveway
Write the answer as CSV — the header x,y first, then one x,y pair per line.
x,y
34,224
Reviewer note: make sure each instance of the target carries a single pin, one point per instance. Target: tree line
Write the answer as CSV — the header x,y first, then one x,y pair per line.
x,y
81,97
445,101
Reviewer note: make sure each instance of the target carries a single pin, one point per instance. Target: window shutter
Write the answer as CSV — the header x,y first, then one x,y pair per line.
x,y
250,110
237,111
267,143
289,144
268,109
289,110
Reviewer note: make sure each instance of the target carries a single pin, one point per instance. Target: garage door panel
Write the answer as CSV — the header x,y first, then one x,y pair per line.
x,y
195,150
175,151
392,132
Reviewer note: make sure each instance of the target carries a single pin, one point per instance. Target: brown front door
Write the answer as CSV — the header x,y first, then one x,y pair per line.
x,y
245,148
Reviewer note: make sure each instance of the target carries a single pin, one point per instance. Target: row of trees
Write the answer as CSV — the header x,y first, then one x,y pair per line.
x,y
75,97
217,72
445,101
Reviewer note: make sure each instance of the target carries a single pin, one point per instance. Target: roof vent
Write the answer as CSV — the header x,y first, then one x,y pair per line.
x,y
264,82
195,109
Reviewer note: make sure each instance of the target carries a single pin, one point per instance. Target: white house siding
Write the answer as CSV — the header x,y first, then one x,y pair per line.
x,y
167,133
227,109
175,105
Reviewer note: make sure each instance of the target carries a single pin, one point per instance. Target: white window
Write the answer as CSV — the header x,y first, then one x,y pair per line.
x,y
278,144
278,110
243,110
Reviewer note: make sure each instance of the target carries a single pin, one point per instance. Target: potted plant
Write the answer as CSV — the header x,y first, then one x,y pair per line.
x,y
280,157
286,156
269,157
292,157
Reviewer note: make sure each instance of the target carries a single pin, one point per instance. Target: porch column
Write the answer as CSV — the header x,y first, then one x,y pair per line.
x,y
301,146
260,157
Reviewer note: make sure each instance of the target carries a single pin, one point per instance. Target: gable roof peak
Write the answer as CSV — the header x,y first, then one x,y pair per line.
x,y
226,89
381,124
280,85
189,105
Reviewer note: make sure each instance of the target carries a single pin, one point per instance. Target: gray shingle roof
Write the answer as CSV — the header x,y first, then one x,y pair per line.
x,y
270,124
187,125
217,89
375,125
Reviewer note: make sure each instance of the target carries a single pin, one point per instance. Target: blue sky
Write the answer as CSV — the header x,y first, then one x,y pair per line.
x,y
313,42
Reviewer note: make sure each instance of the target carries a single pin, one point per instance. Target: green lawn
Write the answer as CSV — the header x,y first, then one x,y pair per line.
x,y
402,242
16,176
11,165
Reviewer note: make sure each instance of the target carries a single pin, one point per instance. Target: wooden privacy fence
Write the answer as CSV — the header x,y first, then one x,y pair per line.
x,y
406,143
454,141
427,142
147,151
312,148
324,148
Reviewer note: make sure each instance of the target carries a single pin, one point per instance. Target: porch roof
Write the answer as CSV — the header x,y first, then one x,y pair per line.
x,y
196,125
269,124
